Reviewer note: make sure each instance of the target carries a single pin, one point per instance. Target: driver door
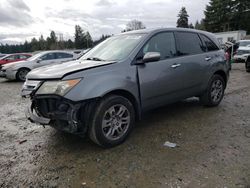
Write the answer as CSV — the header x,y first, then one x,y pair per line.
x,y
160,81
47,59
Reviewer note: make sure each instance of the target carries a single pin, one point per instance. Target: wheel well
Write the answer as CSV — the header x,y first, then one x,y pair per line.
x,y
24,68
222,74
130,97
21,69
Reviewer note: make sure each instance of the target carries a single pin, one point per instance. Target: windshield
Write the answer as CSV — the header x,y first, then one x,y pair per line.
x,y
245,43
114,49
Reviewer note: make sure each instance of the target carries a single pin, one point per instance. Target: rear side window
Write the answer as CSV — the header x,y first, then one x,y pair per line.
x,y
48,56
188,43
24,56
63,55
209,44
164,43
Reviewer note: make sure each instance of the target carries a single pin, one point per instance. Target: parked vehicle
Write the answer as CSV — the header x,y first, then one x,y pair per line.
x,y
243,51
247,64
104,92
11,58
1,55
19,70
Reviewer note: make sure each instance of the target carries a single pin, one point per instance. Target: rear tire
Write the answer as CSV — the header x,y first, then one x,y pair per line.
x,y
112,121
21,74
214,92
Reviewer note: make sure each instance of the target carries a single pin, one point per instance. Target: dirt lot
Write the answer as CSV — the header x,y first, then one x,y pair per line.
x,y
213,146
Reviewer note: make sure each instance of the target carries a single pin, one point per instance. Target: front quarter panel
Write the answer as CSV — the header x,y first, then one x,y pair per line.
x,y
99,81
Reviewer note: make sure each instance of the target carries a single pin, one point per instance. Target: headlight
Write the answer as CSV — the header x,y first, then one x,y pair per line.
x,y
57,87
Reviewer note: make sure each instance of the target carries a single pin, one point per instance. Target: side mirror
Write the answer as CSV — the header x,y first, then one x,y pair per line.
x,y
39,60
151,57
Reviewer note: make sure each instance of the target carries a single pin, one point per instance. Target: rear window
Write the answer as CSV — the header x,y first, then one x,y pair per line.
x,y
209,44
188,43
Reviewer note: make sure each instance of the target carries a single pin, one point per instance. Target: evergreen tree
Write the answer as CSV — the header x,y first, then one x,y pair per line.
x,y
79,37
182,18
227,15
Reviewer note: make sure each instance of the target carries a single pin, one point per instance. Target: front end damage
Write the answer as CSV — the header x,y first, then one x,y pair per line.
x,y
58,112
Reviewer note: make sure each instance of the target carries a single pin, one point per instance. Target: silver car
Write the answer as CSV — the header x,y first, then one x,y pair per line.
x,y
19,70
104,92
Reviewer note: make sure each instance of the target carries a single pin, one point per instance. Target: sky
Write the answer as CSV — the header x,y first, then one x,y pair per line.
x,y
22,20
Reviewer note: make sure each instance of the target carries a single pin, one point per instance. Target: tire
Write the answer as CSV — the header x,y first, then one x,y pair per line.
x,y
214,92
112,121
21,74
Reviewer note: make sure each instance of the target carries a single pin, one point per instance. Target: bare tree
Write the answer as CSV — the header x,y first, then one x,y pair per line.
x,y
134,25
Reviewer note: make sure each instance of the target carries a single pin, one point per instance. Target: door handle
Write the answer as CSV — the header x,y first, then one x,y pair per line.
x,y
174,66
208,58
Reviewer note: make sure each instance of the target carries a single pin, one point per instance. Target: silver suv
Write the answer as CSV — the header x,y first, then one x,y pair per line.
x,y
104,92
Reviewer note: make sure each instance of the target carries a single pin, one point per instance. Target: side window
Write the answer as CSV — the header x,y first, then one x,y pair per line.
x,y
164,43
63,55
189,43
23,56
209,44
17,57
48,56
10,58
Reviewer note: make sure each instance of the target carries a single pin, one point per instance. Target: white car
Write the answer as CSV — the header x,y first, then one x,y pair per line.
x,y
243,51
19,70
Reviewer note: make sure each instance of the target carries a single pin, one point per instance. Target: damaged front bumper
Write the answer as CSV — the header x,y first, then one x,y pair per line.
x,y
57,112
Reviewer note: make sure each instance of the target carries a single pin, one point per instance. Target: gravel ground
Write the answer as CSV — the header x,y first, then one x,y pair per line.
x,y
213,146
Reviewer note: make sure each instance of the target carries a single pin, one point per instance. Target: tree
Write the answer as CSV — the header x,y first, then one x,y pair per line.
x,y
134,25
227,15
42,43
191,26
88,39
199,25
79,38
182,18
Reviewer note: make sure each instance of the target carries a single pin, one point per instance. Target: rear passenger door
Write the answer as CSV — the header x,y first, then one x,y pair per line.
x,y
192,57
47,59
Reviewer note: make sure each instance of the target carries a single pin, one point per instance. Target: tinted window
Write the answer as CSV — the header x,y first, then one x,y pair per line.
x,y
10,58
209,44
24,56
48,56
164,43
63,55
189,43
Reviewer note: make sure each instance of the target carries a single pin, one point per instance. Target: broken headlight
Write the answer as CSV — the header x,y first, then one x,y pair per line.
x,y
57,87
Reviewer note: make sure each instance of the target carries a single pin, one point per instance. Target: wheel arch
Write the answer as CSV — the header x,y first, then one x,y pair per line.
x,y
128,95
222,74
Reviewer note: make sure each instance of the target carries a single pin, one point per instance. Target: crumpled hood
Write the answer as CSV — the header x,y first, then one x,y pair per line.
x,y
59,70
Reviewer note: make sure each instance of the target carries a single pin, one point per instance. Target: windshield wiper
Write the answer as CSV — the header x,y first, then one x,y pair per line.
x,y
95,59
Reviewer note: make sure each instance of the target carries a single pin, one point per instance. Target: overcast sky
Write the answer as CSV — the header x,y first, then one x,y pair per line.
x,y
21,20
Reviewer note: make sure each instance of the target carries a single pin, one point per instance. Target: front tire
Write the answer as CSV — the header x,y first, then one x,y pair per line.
x,y
214,92
112,121
21,74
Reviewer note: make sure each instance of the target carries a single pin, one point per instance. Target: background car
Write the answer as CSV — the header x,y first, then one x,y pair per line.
x,y
19,70
247,64
13,58
243,51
